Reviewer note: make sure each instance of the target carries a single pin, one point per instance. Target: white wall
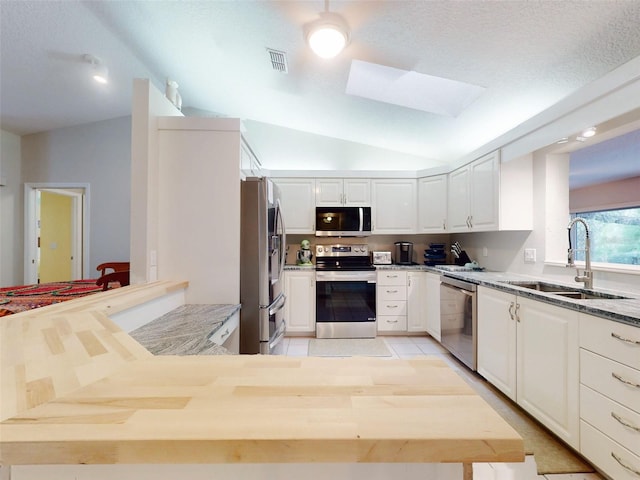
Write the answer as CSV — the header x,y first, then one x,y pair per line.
x,y
96,153
11,218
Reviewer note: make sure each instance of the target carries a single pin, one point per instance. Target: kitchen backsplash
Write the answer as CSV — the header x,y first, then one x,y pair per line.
x,y
375,242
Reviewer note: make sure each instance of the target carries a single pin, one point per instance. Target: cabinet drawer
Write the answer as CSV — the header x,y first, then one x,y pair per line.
x,y
392,277
611,339
392,323
221,335
391,292
391,307
611,418
609,377
600,450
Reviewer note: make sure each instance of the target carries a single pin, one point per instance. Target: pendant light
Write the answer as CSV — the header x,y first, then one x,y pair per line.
x,y
328,35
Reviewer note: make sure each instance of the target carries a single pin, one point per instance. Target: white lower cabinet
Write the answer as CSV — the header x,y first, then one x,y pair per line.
x,y
417,302
401,301
610,396
529,350
391,301
497,339
433,305
300,307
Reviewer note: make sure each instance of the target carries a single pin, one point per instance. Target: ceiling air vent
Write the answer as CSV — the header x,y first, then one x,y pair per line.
x,y
278,60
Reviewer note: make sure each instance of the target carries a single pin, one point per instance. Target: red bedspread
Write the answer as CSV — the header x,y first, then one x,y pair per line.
x,y
25,297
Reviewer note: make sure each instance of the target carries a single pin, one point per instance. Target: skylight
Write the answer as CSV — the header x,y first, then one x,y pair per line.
x,y
410,89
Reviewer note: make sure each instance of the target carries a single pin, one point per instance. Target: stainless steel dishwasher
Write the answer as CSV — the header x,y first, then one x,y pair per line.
x,y
458,319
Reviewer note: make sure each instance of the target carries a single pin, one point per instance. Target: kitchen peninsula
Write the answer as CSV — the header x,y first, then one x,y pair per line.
x,y
93,395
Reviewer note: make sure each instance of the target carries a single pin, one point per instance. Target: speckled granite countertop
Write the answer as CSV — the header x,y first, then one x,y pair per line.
x,y
621,310
186,330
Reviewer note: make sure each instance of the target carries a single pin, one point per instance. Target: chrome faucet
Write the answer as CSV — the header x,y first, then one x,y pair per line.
x,y
587,276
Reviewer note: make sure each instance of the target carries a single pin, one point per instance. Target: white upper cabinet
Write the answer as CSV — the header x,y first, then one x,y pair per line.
x,y
298,204
432,204
348,192
250,166
393,206
486,195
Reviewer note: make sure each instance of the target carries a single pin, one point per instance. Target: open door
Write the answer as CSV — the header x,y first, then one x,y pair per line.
x,y
56,232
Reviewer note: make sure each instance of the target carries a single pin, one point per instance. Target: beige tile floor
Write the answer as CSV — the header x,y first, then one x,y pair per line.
x,y
408,347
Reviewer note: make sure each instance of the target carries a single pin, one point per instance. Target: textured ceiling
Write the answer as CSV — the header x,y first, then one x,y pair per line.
x,y
528,55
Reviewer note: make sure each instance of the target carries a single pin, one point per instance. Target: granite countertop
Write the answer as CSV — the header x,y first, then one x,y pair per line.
x,y
186,330
625,310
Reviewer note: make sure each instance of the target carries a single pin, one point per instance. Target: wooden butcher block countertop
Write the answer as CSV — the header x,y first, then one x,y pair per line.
x,y
217,409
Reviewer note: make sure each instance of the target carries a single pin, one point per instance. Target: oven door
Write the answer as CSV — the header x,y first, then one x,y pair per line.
x,y
346,304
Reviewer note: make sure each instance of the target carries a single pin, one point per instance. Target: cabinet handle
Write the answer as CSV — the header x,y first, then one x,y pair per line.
x,y
470,221
624,380
392,321
511,311
224,334
624,422
392,291
444,225
517,314
626,340
624,465
392,276
392,306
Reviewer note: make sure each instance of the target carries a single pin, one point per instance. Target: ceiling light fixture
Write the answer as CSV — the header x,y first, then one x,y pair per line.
x,y
589,132
328,35
99,70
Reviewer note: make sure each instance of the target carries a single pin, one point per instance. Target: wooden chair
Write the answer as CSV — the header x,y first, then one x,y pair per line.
x,y
115,266
119,274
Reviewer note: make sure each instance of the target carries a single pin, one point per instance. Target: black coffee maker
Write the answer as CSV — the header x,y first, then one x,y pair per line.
x,y
403,253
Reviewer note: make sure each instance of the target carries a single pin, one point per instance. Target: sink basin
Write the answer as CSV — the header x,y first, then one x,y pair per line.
x,y
566,291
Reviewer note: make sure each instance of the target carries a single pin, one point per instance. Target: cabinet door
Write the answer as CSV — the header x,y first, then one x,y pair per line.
x,y
357,192
497,339
329,192
458,200
433,305
417,302
483,189
548,367
300,307
393,206
298,204
432,204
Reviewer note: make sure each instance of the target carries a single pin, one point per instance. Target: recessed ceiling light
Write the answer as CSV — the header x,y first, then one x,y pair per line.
x,y
589,132
99,70
563,140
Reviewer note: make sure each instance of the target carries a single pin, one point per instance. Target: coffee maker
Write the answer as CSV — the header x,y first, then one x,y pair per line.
x,y
403,253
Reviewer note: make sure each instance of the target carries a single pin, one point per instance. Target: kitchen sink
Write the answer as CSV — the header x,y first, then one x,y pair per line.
x,y
566,291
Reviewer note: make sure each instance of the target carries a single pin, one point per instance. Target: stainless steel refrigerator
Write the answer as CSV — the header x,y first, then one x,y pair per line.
x,y
262,257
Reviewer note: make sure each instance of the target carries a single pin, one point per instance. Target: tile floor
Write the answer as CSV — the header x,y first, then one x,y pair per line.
x,y
408,347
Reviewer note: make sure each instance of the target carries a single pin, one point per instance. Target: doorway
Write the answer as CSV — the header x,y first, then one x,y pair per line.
x,y
56,232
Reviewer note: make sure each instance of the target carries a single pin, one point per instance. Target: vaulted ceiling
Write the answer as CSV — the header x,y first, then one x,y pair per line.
x,y
526,55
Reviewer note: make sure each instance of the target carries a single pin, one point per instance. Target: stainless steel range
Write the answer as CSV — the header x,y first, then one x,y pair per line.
x,y
345,292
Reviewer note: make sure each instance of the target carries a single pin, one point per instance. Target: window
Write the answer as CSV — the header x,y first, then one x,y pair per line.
x,y
614,234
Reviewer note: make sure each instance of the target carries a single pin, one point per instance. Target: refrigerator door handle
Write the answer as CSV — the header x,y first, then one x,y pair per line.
x,y
277,305
278,335
283,244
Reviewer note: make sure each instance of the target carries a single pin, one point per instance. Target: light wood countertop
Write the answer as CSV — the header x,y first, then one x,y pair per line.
x,y
77,389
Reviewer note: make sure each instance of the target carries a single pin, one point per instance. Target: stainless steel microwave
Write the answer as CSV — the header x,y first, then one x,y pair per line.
x,y
343,221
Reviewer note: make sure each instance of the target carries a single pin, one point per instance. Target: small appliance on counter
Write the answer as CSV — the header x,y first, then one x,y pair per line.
x,y
381,258
435,254
403,253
